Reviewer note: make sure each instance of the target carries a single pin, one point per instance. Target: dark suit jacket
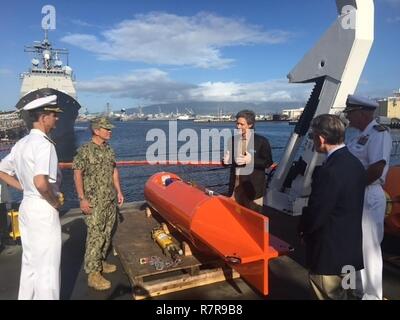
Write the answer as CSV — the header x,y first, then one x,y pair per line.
x,y
254,183
331,222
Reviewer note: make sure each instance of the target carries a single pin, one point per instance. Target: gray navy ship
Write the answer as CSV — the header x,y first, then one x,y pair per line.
x,y
48,76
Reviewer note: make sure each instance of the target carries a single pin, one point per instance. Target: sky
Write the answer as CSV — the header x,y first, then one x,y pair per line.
x,y
142,52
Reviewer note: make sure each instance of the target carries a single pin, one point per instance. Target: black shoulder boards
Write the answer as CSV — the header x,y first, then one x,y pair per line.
x,y
48,139
380,127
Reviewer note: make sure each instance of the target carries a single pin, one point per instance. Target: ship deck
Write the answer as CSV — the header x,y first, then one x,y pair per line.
x,y
287,275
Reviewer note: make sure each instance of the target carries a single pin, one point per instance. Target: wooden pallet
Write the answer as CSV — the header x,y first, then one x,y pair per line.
x,y
133,241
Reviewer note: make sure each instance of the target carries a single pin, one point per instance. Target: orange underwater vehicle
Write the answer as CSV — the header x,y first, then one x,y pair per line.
x,y
217,224
392,189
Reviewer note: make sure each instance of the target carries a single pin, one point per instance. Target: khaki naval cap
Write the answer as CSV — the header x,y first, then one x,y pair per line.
x,y
48,103
101,122
354,102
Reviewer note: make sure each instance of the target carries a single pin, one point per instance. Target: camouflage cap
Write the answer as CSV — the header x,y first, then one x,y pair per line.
x,y
101,122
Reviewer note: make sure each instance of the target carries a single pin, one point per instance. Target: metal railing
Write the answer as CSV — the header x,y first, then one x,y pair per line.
x,y
395,148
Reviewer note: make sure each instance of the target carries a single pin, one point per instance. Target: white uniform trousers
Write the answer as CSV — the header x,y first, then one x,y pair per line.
x,y
40,229
369,280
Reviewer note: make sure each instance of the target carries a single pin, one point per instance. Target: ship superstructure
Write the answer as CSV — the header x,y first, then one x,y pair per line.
x,y
47,70
48,76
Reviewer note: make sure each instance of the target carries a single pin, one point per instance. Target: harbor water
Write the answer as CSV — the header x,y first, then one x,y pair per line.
x,y
129,143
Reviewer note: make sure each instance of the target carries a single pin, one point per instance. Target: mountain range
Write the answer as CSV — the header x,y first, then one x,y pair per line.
x,y
214,107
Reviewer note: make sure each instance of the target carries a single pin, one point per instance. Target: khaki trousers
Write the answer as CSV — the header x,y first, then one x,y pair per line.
x,y
327,287
240,197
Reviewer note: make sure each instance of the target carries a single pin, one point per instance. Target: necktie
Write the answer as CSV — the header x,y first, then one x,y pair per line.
x,y
244,145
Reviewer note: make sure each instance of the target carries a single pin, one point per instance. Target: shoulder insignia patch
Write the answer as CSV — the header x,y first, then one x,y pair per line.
x,y
363,140
380,127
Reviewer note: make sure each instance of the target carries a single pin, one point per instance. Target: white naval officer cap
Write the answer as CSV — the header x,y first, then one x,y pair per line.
x,y
354,102
48,103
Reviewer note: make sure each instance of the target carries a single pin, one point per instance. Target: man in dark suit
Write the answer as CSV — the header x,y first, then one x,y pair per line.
x,y
331,223
250,154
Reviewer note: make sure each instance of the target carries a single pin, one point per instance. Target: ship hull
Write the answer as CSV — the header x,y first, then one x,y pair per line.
x,y
63,135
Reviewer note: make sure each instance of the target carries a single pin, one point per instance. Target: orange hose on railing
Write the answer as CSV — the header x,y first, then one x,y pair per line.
x,y
68,165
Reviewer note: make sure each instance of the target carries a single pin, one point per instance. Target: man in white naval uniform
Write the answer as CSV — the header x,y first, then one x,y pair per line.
x,y
372,146
31,166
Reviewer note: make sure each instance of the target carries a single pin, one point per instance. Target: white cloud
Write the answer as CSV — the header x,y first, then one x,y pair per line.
x,y
161,38
5,72
147,85
269,91
155,86
363,82
82,23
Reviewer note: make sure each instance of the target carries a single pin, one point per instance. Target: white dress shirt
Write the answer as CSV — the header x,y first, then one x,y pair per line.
x,y
31,156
